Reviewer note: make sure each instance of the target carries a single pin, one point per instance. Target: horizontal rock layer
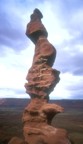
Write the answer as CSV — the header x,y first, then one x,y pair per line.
x,y
41,77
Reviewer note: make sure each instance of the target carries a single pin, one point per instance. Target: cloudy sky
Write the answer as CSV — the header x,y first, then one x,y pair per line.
x,y
63,20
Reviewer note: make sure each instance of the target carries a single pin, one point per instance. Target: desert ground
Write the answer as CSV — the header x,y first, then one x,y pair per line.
x,y
11,119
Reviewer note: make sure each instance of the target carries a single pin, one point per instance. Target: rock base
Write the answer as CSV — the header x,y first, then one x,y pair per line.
x,y
37,119
16,140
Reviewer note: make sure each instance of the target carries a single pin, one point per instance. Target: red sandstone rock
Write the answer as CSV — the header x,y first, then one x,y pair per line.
x,y
41,77
35,28
40,111
45,134
37,115
16,140
41,80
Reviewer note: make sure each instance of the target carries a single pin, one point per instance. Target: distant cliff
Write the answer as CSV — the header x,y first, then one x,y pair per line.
x,y
21,103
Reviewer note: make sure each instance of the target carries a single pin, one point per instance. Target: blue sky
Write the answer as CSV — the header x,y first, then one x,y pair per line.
x,y
63,20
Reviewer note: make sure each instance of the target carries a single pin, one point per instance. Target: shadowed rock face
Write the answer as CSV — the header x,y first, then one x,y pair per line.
x,y
16,140
41,80
40,111
35,28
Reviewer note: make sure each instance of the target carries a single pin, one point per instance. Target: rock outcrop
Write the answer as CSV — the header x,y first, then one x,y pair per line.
x,y
37,123
41,77
41,80
16,140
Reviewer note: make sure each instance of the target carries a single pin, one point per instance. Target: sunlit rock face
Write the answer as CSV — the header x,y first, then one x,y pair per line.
x,y
41,80
41,77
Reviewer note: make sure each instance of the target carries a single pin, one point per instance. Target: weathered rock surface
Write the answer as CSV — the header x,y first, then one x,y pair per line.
x,y
45,134
39,110
37,123
41,80
35,28
16,140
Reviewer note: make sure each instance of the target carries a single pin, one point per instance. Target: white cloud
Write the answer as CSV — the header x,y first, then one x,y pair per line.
x,y
61,32
68,87
76,19
14,68
13,93
61,91
56,33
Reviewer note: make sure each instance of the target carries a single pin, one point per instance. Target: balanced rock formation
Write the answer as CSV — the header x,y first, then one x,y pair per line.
x,y
41,80
41,77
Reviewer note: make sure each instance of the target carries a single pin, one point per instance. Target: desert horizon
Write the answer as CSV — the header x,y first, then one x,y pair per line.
x,y
11,110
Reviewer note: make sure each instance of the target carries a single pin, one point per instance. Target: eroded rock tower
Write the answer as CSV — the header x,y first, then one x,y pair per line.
x,y
41,80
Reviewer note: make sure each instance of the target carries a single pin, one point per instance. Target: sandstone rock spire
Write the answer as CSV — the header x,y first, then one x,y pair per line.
x,y
41,77
41,80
